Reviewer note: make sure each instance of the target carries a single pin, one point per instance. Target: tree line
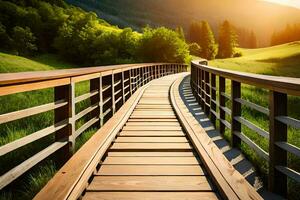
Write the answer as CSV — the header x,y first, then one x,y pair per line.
x,y
291,33
28,27
203,43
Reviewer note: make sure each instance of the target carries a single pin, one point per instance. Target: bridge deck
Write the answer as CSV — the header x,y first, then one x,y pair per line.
x,y
151,158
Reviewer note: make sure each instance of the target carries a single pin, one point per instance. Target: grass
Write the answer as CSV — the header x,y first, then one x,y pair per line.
x,y
282,60
31,182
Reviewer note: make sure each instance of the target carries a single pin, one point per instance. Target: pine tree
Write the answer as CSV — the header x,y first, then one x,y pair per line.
x,y
227,40
207,42
194,32
252,41
180,32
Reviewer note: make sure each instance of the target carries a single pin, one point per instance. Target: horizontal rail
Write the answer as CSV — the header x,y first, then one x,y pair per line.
x,y
289,121
253,127
32,137
252,144
4,118
289,172
14,173
86,96
289,148
253,106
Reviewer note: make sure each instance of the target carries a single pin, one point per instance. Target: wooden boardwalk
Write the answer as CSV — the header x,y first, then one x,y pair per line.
x,y
151,158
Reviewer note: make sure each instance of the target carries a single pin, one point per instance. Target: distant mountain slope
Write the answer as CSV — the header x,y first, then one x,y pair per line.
x,y
281,60
263,17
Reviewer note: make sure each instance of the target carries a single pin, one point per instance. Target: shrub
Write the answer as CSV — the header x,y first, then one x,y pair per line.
x,y
24,40
162,45
195,49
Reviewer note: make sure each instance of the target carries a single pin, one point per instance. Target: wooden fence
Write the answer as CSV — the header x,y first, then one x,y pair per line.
x,y
110,88
211,97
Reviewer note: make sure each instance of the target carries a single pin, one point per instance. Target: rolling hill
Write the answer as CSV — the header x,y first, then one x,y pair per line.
x,y
281,60
260,16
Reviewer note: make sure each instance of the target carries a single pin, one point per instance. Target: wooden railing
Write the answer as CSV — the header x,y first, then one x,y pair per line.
x,y
211,97
110,88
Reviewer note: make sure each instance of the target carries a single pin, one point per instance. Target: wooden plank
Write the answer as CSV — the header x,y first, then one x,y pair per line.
x,y
152,117
150,170
151,140
150,161
151,146
149,183
152,128
151,154
158,123
150,195
152,120
152,133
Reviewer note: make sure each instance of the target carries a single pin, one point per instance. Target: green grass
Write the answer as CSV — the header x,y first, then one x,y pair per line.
x,y
31,182
282,60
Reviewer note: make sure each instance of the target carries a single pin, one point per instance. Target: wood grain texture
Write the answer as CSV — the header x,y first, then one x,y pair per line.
x,y
150,195
149,183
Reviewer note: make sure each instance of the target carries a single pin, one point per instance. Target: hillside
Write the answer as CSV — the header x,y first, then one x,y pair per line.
x,y
281,60
262,17
12,63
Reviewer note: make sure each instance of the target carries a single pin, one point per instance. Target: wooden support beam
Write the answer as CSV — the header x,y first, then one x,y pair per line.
x,y
222,102
235,112
278,133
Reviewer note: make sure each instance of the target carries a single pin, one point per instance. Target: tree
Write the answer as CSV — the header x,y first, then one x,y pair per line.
x,y
195,49
24,40
207,42
252,41
180,32
163,45
227,40
194,32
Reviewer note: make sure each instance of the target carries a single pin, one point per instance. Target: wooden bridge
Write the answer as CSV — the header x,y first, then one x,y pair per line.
x,y
149,146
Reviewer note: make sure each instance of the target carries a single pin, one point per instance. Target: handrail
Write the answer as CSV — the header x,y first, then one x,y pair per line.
x,y
110,88
287,85
27,77
204,87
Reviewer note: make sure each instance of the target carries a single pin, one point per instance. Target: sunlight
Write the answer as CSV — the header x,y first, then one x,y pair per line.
x,y
293,3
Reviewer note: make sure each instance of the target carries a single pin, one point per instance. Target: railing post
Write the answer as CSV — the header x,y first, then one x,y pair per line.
x,y
123,87
235,112
60,114
202,89
101,101
95,85
207,91
213,105
278,133
196,83
113,92
222,103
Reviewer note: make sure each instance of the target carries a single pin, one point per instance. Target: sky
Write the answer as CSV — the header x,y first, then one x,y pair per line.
x,y
293,3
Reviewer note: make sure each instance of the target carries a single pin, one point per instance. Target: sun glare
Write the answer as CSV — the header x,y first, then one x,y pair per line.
x,y
293,3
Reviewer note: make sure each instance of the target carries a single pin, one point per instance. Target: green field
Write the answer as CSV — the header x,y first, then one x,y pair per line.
x,y
29,184
282,60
